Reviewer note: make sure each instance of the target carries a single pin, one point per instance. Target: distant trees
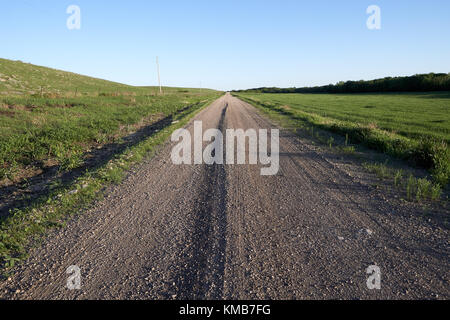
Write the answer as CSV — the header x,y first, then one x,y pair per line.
x,y
419,82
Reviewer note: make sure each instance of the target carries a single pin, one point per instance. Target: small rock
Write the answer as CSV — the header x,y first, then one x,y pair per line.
x,y
365,232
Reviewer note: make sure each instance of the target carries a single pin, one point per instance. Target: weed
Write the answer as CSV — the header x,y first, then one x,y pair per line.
x,y
330,142
398,178
380,169
69,158
436,192
347,149
410,186
435,155
423,189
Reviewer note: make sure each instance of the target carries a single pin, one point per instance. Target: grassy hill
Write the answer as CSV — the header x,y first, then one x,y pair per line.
x,y
17,78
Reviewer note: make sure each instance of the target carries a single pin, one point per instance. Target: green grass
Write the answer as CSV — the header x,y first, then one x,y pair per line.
x,y
50,117
18,78
412,115
418,189
380,169
411,126
398,175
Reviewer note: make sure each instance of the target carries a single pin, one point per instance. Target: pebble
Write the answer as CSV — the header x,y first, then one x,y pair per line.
x,y
366,232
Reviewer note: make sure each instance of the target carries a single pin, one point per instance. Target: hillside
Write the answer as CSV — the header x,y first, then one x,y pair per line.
x,y
18,78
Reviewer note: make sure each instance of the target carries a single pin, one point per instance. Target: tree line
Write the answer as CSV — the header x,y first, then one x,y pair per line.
x,y
415,83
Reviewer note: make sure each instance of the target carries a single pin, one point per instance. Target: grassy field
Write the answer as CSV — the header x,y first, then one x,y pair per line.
x,y
64,137
412,126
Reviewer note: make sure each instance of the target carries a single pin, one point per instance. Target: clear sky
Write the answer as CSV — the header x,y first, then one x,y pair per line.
x,y
230,44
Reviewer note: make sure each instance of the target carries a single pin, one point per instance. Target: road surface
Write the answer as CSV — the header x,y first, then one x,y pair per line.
x,y
226,232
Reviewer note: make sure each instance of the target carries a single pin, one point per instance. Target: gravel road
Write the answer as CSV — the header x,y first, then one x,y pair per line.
x,y
227,232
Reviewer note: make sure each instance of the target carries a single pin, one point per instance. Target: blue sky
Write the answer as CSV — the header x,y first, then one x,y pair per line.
x,y
229,44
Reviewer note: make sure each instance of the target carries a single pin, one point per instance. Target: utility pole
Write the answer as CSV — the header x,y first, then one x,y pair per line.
x,y
159,76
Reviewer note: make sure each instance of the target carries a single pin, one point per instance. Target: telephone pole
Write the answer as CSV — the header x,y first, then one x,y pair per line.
x,y
159,76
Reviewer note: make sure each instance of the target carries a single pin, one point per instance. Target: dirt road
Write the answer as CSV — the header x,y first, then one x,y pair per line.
x,y
224,231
